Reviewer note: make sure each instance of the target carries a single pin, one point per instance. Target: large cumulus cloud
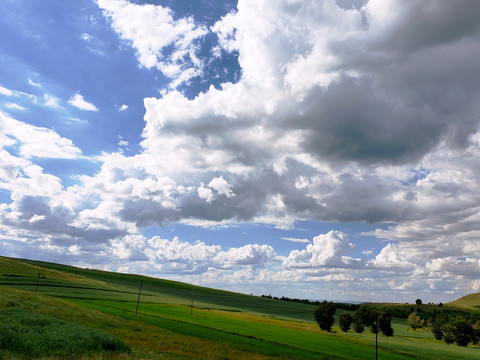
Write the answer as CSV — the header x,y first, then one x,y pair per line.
x,y
365,114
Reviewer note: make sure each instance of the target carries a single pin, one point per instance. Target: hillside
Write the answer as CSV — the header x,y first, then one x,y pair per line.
x,y
471,302
179,321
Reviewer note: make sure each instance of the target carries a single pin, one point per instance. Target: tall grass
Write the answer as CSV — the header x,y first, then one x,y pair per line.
x,y
32,335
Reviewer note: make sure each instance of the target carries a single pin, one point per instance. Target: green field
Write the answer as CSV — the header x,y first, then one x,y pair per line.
x,y
220,325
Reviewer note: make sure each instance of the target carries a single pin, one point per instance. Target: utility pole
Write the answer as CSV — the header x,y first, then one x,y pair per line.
x,y
36,286
138,301
191,305
376,341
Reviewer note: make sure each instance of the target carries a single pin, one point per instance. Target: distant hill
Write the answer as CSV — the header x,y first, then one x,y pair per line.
x,y
471,302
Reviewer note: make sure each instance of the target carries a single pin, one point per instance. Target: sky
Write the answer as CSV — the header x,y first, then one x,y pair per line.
x,y
309,149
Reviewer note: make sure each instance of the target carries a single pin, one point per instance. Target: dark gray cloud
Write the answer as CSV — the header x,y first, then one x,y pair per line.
x,y
35,213
353,120
429,23
416,84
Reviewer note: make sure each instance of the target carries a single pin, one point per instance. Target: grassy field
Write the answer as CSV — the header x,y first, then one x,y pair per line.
x,y
220,325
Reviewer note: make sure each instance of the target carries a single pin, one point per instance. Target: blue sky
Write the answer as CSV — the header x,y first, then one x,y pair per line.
x,y
314,149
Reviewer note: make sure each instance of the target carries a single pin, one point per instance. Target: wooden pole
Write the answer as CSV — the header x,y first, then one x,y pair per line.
x,y
138,301
191,305
376,342
36,286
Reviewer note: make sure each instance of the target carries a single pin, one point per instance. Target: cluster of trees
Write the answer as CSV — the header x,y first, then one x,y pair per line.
x,y
363,317
453,326
460,330
343,306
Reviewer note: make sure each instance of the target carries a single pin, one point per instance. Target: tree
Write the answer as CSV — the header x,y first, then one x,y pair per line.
x,y
345,321
463,331
385,323
437,329
448,333
476,333
414,321
358,326
325,315
365,316
418,302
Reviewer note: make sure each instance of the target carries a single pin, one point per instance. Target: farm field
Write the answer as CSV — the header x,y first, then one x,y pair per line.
x,y
219,325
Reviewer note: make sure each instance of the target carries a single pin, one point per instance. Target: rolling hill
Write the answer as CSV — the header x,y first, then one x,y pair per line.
x,y
471,302
180,321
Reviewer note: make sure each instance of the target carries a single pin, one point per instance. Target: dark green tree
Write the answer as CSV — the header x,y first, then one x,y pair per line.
x,y
358,326
476,333
345,320
385,323
325,315
448,333
463,331
365,316
418,302
437,329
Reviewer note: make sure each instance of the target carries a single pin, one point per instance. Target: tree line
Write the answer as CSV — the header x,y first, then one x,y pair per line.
x,y
364,316
343,306
451,326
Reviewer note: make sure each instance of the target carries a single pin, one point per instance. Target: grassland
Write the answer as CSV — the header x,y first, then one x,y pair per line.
x,y
470,302
220,325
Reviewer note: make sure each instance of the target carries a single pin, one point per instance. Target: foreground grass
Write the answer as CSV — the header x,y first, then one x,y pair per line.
x,y
31,335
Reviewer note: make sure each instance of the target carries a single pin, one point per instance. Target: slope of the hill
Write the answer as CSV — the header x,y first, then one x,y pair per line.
x,y
471,302
112,286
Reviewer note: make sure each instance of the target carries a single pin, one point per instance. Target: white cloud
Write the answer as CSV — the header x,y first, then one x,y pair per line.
x,y
47,100
51,101
37,142
253,255
79,102
390,257
469,267
205,193
123,107
86,37
305,241
31,82
217,184
13,106
5,91
221,186
150,29
327,250
183,257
